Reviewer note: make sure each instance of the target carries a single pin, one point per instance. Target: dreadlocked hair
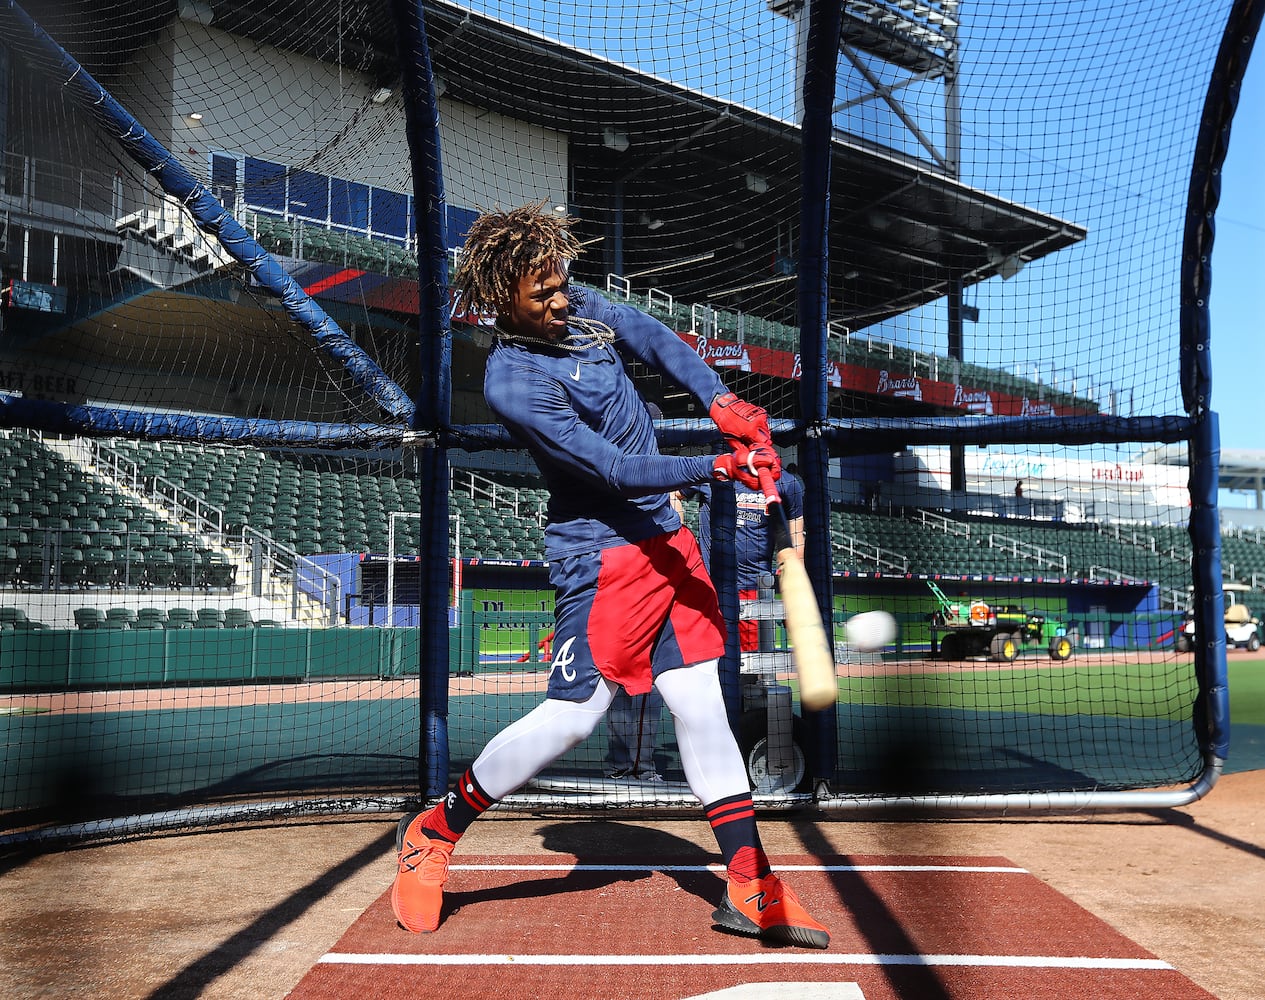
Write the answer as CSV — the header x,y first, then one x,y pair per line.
x,y
504,246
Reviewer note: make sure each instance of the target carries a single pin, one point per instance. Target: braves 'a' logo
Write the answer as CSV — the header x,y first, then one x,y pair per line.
x,y
564,658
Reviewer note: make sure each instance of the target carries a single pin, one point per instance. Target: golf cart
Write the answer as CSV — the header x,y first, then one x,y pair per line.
x,y
1242,628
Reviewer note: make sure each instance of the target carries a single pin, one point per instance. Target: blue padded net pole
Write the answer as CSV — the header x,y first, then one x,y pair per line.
x,y
1212,714
434,405
820,63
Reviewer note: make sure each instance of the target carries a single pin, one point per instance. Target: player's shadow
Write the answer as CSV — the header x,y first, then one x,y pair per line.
x,y
617,852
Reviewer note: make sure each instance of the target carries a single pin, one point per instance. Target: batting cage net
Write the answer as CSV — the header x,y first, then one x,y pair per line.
x,y
264,547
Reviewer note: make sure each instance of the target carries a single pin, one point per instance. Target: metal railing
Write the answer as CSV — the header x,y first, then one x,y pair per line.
x,y
276,571
1028,552
858,551
279,573
931,519
515,501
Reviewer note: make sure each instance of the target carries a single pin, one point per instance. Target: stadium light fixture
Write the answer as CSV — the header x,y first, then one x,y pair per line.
x,y
1007,265
757,183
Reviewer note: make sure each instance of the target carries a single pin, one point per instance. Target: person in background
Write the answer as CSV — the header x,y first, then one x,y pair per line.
x,y
753,540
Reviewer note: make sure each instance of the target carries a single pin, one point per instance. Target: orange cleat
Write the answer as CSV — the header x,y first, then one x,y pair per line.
x,y
767,908
418,893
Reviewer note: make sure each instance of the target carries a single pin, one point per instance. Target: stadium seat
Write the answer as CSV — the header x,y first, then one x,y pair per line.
x,y
185,571
125,615
219,571
180,618
150,618
13,536
238,618
209,618
99,568
72,568
30,571
89,618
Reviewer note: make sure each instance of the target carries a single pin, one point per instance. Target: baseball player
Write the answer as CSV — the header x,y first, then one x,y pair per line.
x,y
634,605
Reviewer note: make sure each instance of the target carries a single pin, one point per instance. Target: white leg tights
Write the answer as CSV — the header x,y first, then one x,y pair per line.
x,y
524,748
709,753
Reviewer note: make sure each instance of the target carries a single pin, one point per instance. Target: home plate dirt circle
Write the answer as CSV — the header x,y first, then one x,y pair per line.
x,y
939,928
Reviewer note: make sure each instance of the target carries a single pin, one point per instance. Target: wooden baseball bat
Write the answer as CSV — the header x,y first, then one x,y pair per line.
x,y
814,661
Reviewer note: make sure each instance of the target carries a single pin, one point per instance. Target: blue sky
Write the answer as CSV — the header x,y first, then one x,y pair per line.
x,y
1087,136
1238,273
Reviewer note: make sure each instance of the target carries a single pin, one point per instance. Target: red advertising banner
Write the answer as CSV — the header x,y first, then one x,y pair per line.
x,y
383,292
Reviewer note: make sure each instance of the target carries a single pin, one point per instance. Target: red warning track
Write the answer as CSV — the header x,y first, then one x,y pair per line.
x,y
935,928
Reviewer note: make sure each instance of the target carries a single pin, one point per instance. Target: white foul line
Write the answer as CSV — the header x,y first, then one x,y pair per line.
x,y
994,961
975,869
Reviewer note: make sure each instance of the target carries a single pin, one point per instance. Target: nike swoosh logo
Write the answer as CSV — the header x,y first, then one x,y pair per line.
x,y
575,376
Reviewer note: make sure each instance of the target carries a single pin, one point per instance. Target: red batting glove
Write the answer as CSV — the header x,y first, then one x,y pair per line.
x,y
744,465
741,421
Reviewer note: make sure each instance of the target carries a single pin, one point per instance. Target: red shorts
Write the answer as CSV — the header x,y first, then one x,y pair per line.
x,y
631,612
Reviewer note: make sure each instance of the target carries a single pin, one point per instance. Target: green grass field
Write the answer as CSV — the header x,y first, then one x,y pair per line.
x,y
1247,692
1128,690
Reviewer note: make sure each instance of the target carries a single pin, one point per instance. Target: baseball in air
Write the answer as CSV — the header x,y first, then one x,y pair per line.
x,y
870,630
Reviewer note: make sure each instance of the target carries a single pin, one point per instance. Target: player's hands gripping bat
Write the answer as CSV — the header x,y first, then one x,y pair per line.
x,y
814,661
745,465
741,422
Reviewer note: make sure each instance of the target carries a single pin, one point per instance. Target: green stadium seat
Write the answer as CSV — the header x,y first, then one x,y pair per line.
x,y
72,567
150,618
125,615
180,618
31,566
88,618
238,618
209,618
184,568
99,567
219,571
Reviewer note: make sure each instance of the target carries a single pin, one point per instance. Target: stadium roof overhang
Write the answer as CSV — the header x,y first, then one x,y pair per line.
x,y
902,230
723,180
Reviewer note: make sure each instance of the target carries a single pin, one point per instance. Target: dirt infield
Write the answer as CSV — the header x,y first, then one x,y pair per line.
x,y
245,913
